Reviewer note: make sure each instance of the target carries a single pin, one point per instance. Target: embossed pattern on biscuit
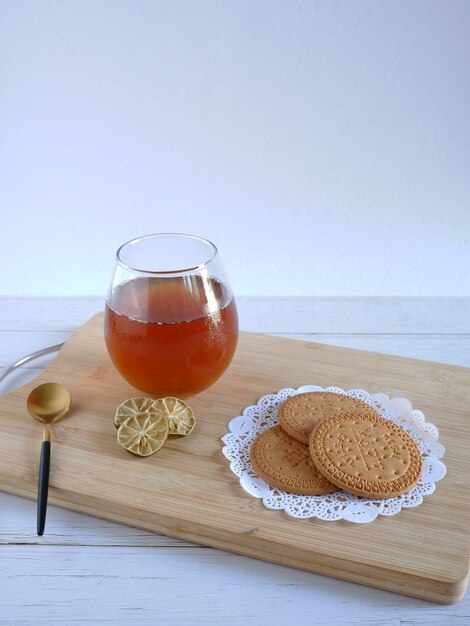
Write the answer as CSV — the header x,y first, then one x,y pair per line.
x,y
300,413
366,455
285,463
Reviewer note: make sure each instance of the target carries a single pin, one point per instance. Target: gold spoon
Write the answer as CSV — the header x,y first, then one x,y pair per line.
x,y
46,403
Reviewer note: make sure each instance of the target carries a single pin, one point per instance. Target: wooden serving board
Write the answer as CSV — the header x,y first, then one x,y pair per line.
x,y
187,489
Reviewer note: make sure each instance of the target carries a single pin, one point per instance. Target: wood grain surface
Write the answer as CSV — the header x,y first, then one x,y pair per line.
x,y
187,490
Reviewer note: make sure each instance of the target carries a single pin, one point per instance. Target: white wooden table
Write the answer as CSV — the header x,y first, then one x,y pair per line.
x,y
89,571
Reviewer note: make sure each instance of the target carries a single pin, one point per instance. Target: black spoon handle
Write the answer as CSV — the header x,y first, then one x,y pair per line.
x,y
43,485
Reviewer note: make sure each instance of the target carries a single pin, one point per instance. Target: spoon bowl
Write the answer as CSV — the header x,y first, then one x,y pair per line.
x,y
48,402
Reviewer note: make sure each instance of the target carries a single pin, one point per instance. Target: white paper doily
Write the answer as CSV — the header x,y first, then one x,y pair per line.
x,y
338,505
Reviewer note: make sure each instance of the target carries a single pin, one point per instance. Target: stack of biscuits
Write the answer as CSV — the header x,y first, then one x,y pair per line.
x,y
328,441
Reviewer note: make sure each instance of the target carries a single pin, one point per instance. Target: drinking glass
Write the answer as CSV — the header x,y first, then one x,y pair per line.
x,y
171,323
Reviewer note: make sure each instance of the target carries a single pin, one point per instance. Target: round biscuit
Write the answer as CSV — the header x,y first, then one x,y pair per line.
x,y
300,413
286,464
366,455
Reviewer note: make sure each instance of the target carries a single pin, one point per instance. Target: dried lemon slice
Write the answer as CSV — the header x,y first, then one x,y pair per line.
x,y
132,408
143,434
180,416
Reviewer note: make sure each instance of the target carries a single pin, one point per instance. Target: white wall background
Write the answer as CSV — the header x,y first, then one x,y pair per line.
x,y
323,145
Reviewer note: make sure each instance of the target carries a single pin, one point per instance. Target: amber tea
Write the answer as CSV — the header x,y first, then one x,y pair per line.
x,y
171,335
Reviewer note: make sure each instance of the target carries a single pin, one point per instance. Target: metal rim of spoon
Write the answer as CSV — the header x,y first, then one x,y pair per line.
x,y
47,403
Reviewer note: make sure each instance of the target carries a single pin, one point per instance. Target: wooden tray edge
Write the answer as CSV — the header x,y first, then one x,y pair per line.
x,y
437,591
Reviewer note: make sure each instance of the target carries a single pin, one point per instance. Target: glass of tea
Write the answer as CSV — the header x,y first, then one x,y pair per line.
x,y
171,324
